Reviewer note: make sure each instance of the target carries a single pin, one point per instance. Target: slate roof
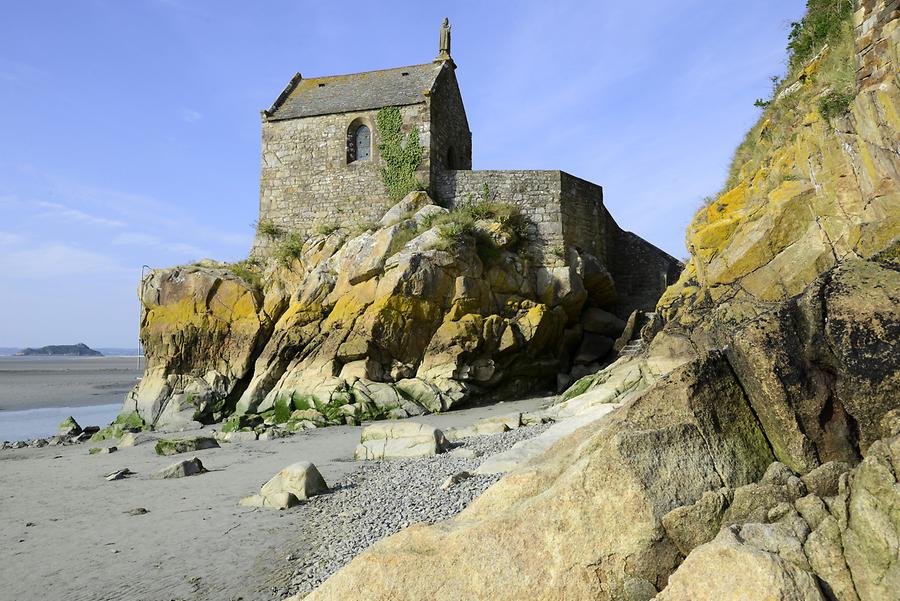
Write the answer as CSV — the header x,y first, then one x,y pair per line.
x,y
354,92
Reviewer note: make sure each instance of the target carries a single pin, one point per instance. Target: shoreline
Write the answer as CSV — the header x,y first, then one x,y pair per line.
x,y
42,422
167,550
32,383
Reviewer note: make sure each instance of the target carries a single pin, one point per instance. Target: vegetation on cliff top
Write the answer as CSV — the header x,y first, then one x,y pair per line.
x,y
820,67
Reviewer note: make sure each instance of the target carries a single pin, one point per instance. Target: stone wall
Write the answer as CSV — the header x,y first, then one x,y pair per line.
x,y
451,140
563,211
583,216
306,182
641,271
536,193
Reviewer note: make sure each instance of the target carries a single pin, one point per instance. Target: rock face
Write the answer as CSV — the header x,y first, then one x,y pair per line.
x,y
633,462
729,570
416,313
842,546
201,328
755,452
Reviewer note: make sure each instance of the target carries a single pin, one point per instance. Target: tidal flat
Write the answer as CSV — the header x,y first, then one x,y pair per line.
x,y
36,393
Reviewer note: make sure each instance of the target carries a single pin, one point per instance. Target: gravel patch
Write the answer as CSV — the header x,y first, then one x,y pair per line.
x,y
378,500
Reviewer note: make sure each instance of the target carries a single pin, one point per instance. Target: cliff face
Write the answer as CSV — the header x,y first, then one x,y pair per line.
x,y
418,312
810,187
754,450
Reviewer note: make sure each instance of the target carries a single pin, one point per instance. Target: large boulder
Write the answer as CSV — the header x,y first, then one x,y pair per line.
x,y
823,369
727,569
602,322
69,427
392,440
297,482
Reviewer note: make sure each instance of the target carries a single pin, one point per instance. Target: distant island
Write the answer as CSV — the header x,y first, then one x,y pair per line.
x,y
61,350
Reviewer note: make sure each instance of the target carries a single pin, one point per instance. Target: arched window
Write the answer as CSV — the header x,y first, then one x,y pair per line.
x,y
359,143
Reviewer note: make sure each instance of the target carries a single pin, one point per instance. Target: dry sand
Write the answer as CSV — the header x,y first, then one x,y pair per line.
x,y
64,533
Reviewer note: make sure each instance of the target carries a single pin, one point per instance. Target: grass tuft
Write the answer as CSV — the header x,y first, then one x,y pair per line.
x,y
268,228
289,249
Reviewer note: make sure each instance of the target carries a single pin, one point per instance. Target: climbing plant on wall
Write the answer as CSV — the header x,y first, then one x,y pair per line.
x,y
399,159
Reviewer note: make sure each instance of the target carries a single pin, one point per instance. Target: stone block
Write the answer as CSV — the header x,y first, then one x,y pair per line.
x,y
400,440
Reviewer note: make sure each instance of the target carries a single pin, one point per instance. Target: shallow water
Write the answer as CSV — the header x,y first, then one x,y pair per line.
x,y
36,393
42,423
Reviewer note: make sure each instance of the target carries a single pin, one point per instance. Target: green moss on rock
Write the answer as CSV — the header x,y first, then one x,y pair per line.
x,y
184,445
124,422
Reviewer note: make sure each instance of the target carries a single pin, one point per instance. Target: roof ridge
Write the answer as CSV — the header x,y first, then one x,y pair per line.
x,y
366,90
372,71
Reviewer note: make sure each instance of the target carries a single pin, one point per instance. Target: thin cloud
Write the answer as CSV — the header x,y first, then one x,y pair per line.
x,y
54,209
136,239
132,208
145,240
10,239
189,115
57,260
17,73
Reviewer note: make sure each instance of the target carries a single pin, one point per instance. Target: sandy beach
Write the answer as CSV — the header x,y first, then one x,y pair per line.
x,y
67,535
42,382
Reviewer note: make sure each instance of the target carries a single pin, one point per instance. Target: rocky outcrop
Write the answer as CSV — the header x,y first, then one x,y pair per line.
x,y
840,546
201,329
416,313
585,520
754,454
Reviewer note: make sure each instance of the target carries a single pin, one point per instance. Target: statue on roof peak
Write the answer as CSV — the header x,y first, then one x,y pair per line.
x,y
444,48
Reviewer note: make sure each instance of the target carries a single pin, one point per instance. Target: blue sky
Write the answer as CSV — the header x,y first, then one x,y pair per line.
x,y
130,129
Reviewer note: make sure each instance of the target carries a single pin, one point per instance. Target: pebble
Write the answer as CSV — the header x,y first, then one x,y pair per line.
x,y
381,498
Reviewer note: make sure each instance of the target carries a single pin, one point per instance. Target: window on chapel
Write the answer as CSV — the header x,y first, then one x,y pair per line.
x,y
359,144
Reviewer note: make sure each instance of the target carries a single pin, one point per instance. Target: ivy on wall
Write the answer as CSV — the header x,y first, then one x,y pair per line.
x,y
400,160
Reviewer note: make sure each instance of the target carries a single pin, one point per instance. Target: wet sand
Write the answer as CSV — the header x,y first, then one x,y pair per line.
x,y
65,533
42,382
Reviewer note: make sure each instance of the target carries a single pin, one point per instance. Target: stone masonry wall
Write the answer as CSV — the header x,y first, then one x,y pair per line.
x,y
641,271
305,180
449,127
536,193
584,225
563,211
